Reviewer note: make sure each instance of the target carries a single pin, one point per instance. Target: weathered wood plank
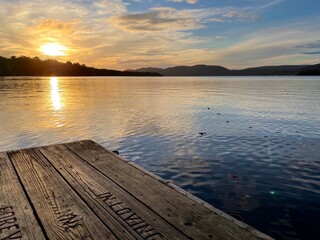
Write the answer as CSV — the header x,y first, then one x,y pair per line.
x,y
62,212
108,199
17,220
196,220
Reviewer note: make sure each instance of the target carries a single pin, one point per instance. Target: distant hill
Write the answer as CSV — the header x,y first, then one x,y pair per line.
x,y
197,70
207,70
25,66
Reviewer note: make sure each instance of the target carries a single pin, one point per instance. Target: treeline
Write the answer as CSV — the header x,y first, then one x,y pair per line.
x,y
26,66
309,72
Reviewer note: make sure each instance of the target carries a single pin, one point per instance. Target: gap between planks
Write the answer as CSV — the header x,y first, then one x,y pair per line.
x,y
104,186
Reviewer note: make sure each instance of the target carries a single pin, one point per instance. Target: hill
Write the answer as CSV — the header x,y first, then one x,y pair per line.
x,y
26,66
197,70
207,70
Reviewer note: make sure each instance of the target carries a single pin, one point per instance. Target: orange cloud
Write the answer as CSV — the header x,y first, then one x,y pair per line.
x,y
50,27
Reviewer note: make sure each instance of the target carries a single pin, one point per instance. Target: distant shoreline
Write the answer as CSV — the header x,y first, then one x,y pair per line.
x,y
208,70
26,66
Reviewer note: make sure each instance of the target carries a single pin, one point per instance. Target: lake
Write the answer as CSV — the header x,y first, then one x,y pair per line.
x,y
249,146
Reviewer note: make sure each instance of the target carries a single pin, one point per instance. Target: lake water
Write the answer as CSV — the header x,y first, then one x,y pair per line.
x,y
258,158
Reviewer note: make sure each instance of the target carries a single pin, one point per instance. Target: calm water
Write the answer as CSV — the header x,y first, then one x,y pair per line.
x,y
259,159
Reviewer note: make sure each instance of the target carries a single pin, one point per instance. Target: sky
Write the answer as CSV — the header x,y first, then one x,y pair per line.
x,y
129,34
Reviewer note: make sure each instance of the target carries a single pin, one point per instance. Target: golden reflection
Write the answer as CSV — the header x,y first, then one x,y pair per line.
x,y
55,94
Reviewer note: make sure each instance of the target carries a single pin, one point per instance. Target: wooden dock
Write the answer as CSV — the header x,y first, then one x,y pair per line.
x,y
80,190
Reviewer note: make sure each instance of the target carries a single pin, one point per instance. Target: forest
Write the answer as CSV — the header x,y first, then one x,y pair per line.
x,y
26,66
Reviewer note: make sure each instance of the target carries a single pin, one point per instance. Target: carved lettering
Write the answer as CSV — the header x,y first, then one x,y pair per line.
x,y
105,196
9,229
139,225
6,211
133,220
115,204
69,220
7,221
15,235
123,211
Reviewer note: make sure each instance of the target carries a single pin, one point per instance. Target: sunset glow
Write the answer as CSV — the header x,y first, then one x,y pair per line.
x,y
53,49
119,34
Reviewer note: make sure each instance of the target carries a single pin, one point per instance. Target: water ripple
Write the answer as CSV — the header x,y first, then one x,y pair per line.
x,y
257,158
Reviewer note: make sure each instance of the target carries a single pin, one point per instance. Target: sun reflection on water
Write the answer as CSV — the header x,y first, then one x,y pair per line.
x,y
55,94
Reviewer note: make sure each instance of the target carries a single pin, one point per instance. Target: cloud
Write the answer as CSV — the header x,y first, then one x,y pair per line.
x,y
241,14
53,27
315,44
312,48
110,7
187,1
269,4
103,33
235,14
166,19
162,19
270,46
75,23
311,53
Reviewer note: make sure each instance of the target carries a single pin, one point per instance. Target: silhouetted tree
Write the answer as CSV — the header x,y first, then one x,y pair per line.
x,y
310,72
26,66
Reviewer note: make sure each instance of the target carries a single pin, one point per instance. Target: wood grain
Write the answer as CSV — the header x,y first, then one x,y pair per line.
x,y
194,219
62,212
82,191
108,199
17,220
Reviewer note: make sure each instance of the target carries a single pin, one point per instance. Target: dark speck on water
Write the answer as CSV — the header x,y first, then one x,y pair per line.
x,y
234,176
279,173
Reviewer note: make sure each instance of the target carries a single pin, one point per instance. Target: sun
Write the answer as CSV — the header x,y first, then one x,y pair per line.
x,y
53,49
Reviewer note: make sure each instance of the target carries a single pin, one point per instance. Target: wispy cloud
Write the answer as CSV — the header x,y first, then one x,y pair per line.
x,y
311,53
187,1
310,48
105,33
312,45
268,5
76,24
162,19
275,45
168,19
53,27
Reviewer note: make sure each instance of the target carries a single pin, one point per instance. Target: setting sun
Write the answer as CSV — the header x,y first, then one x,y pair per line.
x,y
53,49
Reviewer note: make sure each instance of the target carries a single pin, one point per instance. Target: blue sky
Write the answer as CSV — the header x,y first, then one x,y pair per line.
x,y
122,34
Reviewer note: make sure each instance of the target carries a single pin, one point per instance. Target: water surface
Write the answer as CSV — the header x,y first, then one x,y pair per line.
x,y
259,159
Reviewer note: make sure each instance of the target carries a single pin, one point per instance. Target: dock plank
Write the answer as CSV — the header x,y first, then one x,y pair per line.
x,y
195,220
80,190
17,220
62,212
108,199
